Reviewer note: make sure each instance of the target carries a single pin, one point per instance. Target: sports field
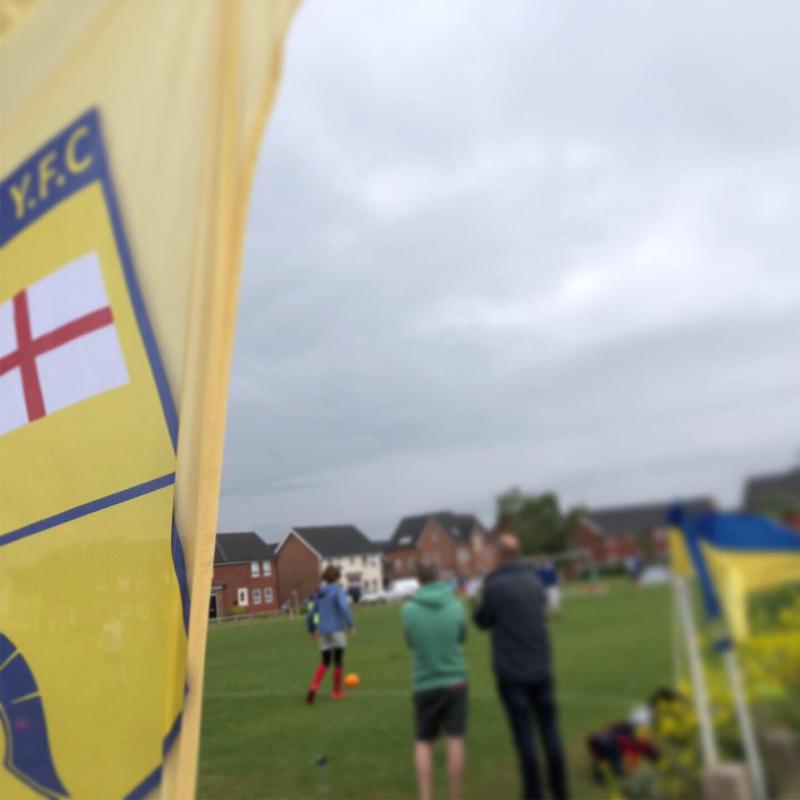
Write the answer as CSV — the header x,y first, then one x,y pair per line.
x,y
261,740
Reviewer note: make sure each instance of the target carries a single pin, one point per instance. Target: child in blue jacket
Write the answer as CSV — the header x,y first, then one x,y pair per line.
x,y
328,618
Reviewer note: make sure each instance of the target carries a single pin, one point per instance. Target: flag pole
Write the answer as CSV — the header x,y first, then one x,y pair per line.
x,y
724,645
752,755
708,742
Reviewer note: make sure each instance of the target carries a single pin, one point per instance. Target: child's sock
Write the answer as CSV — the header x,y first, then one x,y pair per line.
x,y
337,681
319,675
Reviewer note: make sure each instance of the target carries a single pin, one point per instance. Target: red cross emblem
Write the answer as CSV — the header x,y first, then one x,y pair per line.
x,y
62,312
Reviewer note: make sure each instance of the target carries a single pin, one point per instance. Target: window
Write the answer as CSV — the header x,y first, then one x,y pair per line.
x,y
434,535
363,561
463,554
268,594
254,570
241,597
256,597
398,564
266,566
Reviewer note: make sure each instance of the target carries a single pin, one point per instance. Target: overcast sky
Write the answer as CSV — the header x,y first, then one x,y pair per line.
x,y
552,245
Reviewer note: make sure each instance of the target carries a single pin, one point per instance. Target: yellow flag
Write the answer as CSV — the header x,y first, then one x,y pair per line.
x,y
737,574
129,131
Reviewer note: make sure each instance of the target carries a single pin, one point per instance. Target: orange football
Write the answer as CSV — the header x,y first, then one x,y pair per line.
x,y
352,680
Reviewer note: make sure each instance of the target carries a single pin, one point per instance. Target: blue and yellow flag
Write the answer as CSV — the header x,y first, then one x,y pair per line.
x,y
732,556
129,131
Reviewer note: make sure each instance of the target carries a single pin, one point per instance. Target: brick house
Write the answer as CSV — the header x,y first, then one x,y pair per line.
x,y
245,575
306,551
603,548
458,543
776,494
611,535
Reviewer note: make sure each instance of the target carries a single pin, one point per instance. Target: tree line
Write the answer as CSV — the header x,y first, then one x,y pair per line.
x,y
538,519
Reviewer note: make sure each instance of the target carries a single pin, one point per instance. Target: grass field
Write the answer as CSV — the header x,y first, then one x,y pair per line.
x,y
261,741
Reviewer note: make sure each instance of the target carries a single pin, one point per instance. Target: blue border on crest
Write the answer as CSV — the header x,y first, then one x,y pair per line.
x,y
10,226
144,787
88,508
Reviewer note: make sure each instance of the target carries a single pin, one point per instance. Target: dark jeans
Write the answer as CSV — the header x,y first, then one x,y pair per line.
x,y
523,701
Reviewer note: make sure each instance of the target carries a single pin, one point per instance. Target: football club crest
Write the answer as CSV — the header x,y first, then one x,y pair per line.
x,y
93,591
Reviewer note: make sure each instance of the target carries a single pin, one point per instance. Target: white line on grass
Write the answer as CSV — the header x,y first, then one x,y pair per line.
x,y
565,698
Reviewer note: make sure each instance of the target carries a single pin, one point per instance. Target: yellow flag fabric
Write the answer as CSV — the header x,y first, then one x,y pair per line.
x,y
680,560
736,575
129,131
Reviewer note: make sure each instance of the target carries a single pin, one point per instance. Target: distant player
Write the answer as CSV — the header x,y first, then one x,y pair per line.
x,y
550,579
634,566
328,618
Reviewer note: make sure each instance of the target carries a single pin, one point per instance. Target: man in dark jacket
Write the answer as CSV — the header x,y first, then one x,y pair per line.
x,y
513,608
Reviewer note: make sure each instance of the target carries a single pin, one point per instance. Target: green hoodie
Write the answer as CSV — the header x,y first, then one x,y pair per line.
x,y
435,626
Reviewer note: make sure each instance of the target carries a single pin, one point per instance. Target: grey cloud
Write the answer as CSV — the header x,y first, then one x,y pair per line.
x,y
550,245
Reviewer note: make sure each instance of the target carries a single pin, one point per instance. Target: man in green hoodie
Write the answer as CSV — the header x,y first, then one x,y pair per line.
x,y
435,627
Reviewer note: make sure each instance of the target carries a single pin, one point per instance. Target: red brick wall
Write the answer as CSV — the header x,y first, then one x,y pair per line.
x,y
490,555
620,546
435,545
792,519
232,577
605,548
483,553
407,568
588,539
298,570
659,544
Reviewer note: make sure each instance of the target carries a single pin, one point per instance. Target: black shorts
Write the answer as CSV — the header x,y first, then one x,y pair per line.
x,y
440,709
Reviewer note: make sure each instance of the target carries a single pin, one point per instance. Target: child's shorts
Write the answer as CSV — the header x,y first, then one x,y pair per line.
x,y
333,641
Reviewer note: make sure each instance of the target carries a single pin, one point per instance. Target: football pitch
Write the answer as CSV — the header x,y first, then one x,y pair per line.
x,y
261,741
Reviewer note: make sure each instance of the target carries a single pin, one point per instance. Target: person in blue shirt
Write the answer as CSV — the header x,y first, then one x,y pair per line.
x,y
328,618
550,579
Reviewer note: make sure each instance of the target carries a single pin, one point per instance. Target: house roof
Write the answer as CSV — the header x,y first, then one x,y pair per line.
x,y
468,522
332,541
381,544
234,548
409,529
640,517
763,491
